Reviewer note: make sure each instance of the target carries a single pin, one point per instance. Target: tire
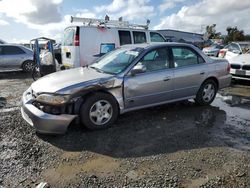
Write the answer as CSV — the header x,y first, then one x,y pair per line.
x,y
206,93
99,111
28,66
36,73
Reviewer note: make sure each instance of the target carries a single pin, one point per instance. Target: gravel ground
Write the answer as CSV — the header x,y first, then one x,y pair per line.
x,y
174,145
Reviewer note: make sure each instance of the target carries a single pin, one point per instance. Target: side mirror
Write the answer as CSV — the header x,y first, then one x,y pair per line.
x,y
139,68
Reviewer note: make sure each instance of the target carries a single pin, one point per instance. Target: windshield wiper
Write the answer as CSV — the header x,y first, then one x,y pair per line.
x,y
97,69
100,70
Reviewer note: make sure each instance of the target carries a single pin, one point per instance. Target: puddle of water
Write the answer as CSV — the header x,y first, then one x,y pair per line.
x,y
100,166
232,111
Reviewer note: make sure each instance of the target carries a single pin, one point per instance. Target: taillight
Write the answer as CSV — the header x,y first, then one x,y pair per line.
x,y
228,67
76,40
222,53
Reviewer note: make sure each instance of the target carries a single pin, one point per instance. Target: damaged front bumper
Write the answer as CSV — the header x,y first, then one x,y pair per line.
x,y
41,121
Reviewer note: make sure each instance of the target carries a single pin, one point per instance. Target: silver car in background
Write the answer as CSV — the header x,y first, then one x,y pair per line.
x,y
15,57
212,50
129,78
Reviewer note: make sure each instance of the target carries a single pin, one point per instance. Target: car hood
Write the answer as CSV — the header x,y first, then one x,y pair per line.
x,y
64,81
240,59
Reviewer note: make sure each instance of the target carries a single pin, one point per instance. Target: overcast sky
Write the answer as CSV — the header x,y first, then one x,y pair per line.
x,y
22,20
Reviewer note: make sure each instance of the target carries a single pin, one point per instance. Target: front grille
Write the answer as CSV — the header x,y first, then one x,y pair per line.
x,y
246,67
235,66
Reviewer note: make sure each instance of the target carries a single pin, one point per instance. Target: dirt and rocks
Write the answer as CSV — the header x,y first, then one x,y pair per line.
x,y
174,145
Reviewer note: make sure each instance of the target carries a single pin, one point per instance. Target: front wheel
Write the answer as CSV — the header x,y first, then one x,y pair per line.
x,y
99,111
206,93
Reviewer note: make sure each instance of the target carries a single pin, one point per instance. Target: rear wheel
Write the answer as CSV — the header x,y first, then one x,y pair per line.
x,y
28,66
206,93
99,111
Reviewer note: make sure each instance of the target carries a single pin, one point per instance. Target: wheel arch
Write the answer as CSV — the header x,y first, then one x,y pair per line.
x,y
89,93
212,78
26,60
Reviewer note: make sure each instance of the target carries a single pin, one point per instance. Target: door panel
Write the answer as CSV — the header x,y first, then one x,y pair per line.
x,y
187,80
14,61
189,71
148,88
154,85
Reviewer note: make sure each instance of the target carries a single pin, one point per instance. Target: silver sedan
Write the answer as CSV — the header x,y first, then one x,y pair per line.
x,y
15,57
129,78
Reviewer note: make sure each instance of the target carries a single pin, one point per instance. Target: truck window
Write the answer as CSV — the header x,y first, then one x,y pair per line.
x,y
68,38
125,37
139,37
156,37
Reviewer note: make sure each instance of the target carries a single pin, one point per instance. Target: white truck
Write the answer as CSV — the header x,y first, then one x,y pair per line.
x,y
83,44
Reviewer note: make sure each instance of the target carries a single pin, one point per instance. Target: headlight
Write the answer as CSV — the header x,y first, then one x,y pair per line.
x,y
52,99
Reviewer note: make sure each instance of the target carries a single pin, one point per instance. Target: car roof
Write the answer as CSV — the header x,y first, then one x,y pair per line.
x,y
155,44
19,45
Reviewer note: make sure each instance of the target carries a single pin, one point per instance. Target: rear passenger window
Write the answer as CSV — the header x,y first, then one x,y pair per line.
x,y
156,60
12,50
125,37
1,50
156,37
139,37
184,56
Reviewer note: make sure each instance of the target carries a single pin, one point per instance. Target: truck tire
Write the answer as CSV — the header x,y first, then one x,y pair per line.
x,y
99,111
206,93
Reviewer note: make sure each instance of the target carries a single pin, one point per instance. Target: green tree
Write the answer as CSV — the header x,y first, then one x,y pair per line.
x,y
211,32
233,34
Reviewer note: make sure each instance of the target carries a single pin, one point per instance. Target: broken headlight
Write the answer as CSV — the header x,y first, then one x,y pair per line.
x,y
52,99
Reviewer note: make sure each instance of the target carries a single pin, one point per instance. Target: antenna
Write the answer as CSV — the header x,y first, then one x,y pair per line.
x,y
107,22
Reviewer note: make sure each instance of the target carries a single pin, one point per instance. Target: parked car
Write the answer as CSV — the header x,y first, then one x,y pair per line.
x,y
128,78
240,66
13,57
234,49
83,44
213,50
2,42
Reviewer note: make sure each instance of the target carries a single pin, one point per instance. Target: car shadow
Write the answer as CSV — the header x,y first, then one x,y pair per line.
x,y
240,82
15,75
158,130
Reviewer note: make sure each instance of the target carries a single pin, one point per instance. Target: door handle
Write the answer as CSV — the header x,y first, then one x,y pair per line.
x,y
202,72
167,78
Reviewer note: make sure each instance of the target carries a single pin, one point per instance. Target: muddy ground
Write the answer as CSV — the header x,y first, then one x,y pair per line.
x,y
174,145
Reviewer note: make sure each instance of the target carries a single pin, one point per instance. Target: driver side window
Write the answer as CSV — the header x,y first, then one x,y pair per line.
x,y
155,60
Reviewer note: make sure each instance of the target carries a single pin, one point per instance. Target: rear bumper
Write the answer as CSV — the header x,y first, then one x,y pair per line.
x,y
225,81
41,121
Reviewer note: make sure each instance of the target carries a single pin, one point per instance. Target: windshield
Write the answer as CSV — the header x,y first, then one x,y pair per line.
x,y
116,61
